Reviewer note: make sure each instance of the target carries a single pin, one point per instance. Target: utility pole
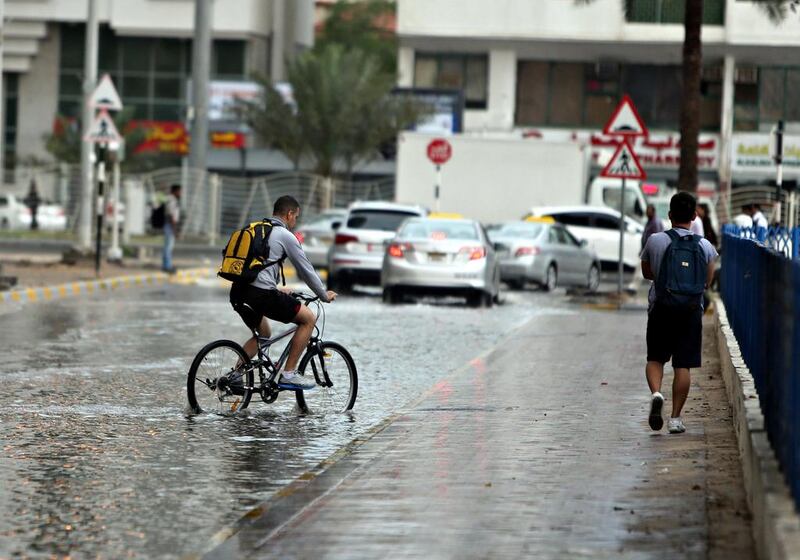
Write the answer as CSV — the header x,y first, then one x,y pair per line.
x,y
2,108
89,83
201,69
777,157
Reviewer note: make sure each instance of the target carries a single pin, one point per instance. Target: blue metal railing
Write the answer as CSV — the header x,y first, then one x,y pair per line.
x,y
782,240
761,290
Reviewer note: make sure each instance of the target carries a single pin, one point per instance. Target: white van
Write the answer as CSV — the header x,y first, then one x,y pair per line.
x,y
605,192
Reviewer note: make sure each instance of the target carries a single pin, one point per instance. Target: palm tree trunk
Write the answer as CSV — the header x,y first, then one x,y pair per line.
x,y
690,106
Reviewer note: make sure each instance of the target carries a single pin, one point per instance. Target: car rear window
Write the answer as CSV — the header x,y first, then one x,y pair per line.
x,y
523,230
431,229
386,220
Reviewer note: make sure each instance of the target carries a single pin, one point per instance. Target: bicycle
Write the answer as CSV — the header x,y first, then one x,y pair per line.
x,y
221,377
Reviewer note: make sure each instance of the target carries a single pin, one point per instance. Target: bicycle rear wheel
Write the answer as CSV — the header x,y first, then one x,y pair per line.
x,y
336,365
215,384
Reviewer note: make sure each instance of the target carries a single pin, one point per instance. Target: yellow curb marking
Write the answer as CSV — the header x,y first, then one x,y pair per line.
x,y
89,287
76,289
62,291
16,296
31,293
47,292
114,283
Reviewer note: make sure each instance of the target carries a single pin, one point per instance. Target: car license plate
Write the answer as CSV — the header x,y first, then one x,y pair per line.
x,y
436,257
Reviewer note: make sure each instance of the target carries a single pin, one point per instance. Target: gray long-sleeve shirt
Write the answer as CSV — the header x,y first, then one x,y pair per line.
x,y
282,242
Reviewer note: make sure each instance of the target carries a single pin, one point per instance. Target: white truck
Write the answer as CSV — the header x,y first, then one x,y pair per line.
x,y
499,179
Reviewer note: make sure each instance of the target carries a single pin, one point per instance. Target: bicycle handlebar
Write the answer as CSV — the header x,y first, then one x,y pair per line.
x,y
305,297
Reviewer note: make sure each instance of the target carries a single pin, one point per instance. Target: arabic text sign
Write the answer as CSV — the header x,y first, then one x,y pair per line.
x,y
751,153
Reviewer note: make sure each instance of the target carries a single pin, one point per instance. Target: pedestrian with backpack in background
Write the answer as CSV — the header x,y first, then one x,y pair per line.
x,y
681,266
171,219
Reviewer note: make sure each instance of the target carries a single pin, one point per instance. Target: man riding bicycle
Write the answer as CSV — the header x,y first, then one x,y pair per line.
x,y
263,299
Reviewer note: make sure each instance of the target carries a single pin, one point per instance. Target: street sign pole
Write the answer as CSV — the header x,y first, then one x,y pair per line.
x,y
437,188
778,157
620,265
101,179
115,253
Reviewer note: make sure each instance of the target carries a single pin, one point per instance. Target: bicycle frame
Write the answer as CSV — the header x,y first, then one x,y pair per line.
x,y
263,360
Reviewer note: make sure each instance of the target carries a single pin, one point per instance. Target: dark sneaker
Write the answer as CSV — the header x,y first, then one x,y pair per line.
x,y
656,404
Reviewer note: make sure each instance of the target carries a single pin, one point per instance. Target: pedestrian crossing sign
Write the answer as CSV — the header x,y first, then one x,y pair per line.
x,y
103,130
624,164
625,121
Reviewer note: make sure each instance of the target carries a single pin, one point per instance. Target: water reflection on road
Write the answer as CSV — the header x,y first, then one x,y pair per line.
x,y
99,458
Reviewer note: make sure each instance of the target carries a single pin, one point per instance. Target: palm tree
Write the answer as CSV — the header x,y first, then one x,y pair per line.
x,y
776,10
340,112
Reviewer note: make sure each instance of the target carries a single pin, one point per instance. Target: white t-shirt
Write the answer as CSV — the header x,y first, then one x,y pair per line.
x,y
697,227
743,220
173,208
760,220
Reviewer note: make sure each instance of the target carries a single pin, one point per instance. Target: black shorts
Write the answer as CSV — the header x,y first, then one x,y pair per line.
x,y
273,304
675,334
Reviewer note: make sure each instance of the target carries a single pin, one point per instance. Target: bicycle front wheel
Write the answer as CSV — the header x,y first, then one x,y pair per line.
x,y
220,379
336,377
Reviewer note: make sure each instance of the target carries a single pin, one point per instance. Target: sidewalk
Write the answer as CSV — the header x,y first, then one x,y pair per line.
x,y
538,450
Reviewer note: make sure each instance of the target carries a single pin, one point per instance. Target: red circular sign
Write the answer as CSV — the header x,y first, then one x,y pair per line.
x,y
439,151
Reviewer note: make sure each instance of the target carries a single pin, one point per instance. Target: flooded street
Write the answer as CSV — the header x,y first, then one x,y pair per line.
x,y
99,456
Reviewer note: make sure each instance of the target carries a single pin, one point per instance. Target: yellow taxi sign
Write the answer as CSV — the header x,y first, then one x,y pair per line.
x,y
445,216
540,219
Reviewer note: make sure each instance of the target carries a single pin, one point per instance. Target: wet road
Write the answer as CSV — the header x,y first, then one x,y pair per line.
x,y
99,457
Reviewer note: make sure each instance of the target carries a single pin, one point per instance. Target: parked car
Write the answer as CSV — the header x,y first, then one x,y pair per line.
x,y
545,253
599,225
15,214
358,246
316,236
441,256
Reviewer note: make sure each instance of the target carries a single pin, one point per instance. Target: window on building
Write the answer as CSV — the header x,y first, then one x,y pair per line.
x,y
467,72
585,94
532,92
671,11
11,114
745,95
602,92
566,81
150,73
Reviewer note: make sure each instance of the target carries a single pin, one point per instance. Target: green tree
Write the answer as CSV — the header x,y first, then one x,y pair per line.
x,y
776,10
363,26
340,114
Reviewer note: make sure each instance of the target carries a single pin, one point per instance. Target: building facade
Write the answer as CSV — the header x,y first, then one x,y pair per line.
x,y
555,70
145,46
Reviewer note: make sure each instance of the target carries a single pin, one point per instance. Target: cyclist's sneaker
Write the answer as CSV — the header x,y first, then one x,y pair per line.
x,y
656,404
676,426
293,380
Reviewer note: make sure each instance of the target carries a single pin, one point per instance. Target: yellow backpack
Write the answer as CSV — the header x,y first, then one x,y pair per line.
x,y
246,253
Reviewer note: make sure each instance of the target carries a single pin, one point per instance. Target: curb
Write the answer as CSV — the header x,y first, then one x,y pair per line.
x,y
63,291
776,524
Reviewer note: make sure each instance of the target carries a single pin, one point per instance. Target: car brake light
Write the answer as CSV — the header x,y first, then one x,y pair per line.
x,y
474,253
300,236
397,250
343,239
524,251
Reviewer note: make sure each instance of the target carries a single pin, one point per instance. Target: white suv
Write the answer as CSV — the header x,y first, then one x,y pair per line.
x,y
356,256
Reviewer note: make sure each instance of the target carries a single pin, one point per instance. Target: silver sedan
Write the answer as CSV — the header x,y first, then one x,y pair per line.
x,y
545,253
441,256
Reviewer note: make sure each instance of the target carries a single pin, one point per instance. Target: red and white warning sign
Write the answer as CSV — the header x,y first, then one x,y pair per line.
x,y
624,164
103,130
625,120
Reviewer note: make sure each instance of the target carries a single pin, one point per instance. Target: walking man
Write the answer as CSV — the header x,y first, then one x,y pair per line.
x,y
681,264
172,217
